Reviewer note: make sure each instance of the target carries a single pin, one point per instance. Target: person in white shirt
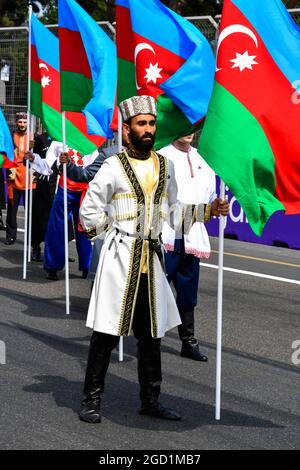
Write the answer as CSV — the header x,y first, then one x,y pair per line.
x,y
196,184
54,258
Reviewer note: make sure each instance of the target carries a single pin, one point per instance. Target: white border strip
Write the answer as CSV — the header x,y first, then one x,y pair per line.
x,y
250,273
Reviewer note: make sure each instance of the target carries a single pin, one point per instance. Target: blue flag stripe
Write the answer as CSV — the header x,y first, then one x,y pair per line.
x,y
278,31
152,19
6,143
102,58
45,42
190,87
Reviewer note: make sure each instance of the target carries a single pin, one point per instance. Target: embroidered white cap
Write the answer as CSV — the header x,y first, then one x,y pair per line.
x,y
138,105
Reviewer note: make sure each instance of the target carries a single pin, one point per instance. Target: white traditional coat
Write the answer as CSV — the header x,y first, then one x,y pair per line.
x,y
116,190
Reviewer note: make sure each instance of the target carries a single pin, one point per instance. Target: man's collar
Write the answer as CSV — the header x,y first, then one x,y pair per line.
x,y
138,156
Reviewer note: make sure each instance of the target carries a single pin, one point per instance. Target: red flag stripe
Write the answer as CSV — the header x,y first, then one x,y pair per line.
x,y
125,43
267,94
53,99
73,57
79,120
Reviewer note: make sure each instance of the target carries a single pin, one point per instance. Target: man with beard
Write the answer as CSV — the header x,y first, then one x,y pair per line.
x,y
16,179
129,199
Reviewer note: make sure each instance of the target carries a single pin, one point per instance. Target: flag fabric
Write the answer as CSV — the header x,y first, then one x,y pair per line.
x,y
88,66
163,55
45,93
6,144
251,133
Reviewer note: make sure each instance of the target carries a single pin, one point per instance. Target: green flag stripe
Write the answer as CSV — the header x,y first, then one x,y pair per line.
x,y
75,138
36,98
76,91
126,80
171,123
52,121
236,147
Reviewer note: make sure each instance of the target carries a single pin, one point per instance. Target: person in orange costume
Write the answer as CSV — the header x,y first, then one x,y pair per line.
x,y
16,178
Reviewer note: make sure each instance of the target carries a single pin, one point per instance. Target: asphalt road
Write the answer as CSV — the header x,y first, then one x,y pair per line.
x,y
46,352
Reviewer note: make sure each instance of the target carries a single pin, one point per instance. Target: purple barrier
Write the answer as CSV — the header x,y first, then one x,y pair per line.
x,y
280,230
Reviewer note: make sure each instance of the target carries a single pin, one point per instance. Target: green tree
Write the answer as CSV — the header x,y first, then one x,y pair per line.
x,y
14,12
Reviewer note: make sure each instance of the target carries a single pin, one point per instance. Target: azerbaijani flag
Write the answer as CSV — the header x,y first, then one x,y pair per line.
x,y
88,67
163,55
6,144
251,134
45,93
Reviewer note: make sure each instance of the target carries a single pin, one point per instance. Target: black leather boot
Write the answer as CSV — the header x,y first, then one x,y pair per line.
x,y
101,346
9,241
52,275
149,373
36,253
190,345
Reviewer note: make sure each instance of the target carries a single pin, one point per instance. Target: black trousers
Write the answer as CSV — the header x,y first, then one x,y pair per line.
x,y
41,208
2,191
12,210
149,355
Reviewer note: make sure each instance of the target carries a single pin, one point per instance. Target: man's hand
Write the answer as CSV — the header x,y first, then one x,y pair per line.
x,y
29,156
12,174
64,158
91,233
219,207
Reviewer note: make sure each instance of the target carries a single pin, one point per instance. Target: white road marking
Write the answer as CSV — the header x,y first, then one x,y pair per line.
x,y
240,271
250,273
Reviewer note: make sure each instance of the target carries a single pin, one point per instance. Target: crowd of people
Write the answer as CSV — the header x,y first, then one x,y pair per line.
x,y
149,210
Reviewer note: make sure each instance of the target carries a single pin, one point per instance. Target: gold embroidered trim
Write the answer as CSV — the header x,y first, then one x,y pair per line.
x,y
124,196
160,189
152,296
129,297
127,216
163,215
207,213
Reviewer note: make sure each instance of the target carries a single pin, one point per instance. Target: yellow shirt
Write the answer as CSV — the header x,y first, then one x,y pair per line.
x,y
147,174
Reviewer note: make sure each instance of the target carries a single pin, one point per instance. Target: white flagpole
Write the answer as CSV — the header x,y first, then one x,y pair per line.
x,y
120,146
222,224
30,199
66,218
27,145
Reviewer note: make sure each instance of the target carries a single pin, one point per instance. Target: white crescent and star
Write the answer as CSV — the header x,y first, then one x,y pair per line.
x,y
153,71
241,61
43,66
142,46
45,81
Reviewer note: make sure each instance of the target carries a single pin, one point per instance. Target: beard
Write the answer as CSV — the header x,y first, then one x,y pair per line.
x,y
139,143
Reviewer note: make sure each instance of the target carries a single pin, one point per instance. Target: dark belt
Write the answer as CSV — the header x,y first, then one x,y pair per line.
x,y
155,244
